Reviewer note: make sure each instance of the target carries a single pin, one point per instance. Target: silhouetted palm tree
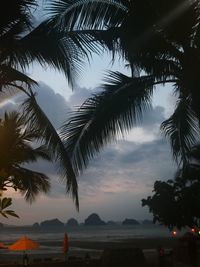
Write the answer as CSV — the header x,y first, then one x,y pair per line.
x,y
16,142
21,44
160,42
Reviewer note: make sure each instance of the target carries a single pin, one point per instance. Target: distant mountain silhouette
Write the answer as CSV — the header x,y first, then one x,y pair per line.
x,y
72,222
52,223
94,219
130,222
36,225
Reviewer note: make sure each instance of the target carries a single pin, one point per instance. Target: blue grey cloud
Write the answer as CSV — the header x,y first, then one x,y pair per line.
x,y
119,176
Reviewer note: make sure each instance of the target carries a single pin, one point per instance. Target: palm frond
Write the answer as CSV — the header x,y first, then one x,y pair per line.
x,y
54,143
61,50
97,40
5,203
195,152
104,116
175,15
42,152
24,153
20,11
10,77
30,183
181,129
163,69
16,140
85,40
69,14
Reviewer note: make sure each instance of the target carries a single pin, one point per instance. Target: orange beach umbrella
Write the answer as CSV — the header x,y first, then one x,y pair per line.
x,y
24,243
65,243
2,246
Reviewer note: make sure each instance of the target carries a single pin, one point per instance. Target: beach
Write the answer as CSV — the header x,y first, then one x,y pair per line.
x,y
95,242
78,249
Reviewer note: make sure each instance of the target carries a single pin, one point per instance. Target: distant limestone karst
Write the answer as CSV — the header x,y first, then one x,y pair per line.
x,y
52,223
130,222
72,222
94,219
36,225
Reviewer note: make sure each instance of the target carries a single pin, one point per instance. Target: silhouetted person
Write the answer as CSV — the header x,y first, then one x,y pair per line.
x,y
161,256
25,259
87,258
192,251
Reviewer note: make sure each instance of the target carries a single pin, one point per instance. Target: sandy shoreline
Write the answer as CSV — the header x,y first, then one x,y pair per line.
x,y
143,243
94,248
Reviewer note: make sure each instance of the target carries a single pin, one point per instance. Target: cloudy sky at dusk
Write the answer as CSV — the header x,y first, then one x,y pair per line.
x,y
118,177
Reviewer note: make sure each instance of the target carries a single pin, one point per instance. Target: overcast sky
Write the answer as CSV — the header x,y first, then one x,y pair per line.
x,y
118,177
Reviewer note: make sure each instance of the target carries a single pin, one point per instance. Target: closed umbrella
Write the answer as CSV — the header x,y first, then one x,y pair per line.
x,y
65,244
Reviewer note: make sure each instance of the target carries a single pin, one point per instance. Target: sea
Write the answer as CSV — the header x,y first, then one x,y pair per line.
x,y
107,233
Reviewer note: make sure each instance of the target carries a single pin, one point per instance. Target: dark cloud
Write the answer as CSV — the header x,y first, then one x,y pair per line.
x,y
124,164
10,102
80,94
138,165
53,104
152,117
117,178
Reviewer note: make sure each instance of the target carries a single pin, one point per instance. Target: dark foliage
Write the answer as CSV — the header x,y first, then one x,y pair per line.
x,y
176,203
21,44
160,42
16,142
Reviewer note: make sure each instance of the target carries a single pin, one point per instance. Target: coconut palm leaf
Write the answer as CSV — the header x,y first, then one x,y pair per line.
x,y
195,152
106,115
165,19
90,18
5,203
20,46
10,78
71,14
16,140
85,40
13,25
54,143
48,46
157,45
190,171
181,129
17,149
29,183
20,12
65,51
28,154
